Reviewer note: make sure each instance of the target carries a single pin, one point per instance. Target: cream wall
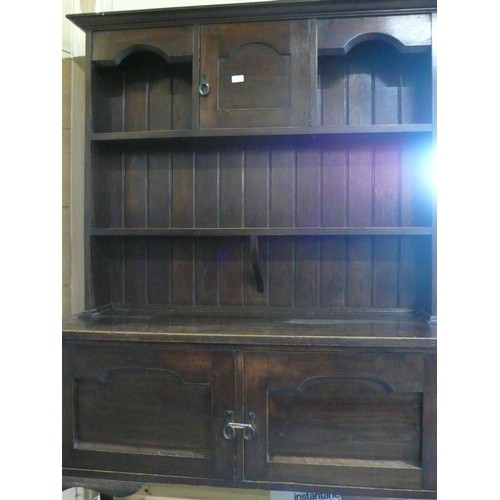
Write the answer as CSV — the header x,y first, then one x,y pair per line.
x,y
73,49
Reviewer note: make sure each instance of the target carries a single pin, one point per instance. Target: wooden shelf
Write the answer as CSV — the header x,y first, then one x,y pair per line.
x,y
261,131
265,231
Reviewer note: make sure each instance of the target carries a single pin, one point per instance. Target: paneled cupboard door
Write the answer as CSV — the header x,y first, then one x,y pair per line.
x,y
149,409
255,74
358,420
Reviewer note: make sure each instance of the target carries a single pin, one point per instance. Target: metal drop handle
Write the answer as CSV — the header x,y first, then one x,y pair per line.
x,y
204,87
230,426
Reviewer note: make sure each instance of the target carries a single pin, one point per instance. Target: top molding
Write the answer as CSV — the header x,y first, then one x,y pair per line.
x,y
280,9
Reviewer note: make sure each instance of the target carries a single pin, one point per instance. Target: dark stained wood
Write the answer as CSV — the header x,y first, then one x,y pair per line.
x,y
359,87
433,288
136,179
231,182
254,297
307,189
408,272
333,74
360,272
264,248
183,272
385,272
429,438
111,47
206,190
135,93
183,193
364,412
369,329
386,182
306,275
135,264
206,272
159,271
416,89
386,85
407,33
360,186
375,84
257,273
237,13
265,231
258,74
143,93
334,194
232,262
333,131
282,186
319,272
144,406
158,187
107,100
256,179
281,273
333,272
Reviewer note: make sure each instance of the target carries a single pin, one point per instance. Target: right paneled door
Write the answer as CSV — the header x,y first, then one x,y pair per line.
x,y
358,420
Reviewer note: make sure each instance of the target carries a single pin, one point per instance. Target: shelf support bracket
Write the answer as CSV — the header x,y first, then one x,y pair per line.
x,y
254,246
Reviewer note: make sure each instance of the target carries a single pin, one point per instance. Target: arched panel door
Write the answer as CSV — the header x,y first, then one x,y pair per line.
x,y
340,419
142,411
252,74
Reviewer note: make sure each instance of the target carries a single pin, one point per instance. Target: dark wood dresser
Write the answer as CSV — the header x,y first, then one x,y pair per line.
x,y
260,251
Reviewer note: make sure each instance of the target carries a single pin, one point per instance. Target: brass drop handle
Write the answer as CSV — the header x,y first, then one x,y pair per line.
x,y
230,426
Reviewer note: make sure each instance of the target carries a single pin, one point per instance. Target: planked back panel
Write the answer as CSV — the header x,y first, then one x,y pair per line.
x,y
287,182
327,272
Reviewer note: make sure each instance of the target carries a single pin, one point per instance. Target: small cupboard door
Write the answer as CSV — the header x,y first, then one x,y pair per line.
x,y
147,409
255,74
343,419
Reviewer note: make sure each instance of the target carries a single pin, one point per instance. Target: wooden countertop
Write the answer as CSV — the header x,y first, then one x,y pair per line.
x,y
348,330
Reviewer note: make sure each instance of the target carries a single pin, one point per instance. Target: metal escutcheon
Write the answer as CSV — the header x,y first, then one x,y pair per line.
x,y
204,87
230,426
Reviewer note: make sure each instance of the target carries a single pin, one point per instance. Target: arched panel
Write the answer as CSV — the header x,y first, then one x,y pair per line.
x,y
373,37
254,76
109,48
348,385
354,418
411,33
142,409
131,49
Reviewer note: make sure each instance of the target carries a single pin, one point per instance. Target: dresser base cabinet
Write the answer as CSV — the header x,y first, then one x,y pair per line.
x,y
333,418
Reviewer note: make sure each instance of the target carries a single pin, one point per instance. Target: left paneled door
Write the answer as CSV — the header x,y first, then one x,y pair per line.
x,y
147,409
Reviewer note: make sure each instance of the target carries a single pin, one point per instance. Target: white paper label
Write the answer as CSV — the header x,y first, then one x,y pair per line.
x,y
237,78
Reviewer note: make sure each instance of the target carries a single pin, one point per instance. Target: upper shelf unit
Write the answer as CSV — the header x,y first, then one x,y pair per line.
x,y
307,130
289,77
